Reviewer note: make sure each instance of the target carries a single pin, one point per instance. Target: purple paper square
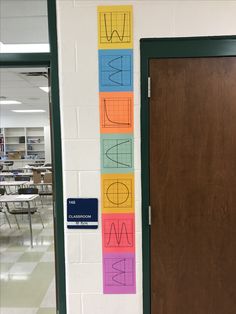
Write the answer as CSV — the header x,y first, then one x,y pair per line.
x,y
119,276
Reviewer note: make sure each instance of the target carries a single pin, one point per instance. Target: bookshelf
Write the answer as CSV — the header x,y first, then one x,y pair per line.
x,y
1,142
22,143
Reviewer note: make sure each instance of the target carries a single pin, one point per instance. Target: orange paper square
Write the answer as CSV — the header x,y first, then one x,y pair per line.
x,y
116,112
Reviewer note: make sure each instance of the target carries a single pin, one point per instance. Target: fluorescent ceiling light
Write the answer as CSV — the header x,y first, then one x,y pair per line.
x,y
13,48
29,111
45,89
9,102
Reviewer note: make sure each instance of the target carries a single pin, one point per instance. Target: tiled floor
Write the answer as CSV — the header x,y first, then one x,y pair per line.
x,y
27,279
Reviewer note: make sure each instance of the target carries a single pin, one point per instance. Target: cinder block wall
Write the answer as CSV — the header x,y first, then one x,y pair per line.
x,y
78,67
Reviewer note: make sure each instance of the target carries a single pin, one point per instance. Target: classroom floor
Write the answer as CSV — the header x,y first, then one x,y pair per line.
x,y
27,276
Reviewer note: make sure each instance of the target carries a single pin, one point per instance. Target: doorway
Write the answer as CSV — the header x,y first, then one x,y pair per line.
x,y
27,260
188,162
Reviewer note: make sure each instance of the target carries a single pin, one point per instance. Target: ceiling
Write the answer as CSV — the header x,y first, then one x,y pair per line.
x,y
15,84
23,22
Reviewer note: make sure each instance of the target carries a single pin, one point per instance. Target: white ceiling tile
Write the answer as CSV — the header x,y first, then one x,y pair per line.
x,y
16,8
16,86
24,30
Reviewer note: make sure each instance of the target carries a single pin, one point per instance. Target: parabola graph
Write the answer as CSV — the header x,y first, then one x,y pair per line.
x,y
119,271
117,153
116,112
115,27
118,233
116,70
117,193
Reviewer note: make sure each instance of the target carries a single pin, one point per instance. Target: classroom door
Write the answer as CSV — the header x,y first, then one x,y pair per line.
x,y
193,185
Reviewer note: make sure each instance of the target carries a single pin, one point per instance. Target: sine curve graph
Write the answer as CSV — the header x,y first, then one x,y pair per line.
x,y
118,232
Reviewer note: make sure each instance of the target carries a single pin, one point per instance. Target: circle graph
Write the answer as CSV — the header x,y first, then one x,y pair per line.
x,y
117,193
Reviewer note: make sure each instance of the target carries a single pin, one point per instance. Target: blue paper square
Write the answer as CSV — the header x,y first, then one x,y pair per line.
x,y
115,70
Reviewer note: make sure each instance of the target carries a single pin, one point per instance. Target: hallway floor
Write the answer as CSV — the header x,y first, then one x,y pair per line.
x,y
27,280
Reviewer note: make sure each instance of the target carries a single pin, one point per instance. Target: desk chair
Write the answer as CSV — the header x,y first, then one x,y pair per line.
x,y
47,165
36,176
46,191
21,178
26,210
2,192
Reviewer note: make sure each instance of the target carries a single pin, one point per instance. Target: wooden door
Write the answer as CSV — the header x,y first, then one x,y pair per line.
x,y
193,185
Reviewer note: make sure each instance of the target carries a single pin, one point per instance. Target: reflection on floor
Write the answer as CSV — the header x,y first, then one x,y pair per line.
x,y
27,279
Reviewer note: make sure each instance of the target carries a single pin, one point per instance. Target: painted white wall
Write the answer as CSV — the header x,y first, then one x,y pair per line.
x,y
47,143
10,119
78,66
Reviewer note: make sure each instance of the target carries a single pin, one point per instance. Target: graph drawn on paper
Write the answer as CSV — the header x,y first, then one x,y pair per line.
x,y
115,70
117,153
118,233
115,27
119,273
116,112
118,194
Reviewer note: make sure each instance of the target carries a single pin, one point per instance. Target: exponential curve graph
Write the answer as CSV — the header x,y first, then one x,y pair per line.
x,y
116,112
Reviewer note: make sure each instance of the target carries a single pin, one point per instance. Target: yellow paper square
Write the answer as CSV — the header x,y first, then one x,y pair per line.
x,y
117,193
115,27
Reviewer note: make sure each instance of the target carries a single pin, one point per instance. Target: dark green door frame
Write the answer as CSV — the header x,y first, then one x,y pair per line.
x,y
50,60
153,48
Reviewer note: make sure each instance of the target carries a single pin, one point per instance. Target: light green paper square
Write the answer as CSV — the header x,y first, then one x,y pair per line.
x,y
117,153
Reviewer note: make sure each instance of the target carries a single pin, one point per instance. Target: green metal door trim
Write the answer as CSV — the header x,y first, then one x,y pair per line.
x,y
27,59
50,60
57,157
153,48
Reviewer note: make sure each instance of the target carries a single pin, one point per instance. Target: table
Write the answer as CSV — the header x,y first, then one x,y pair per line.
x,y
22,198
6,184
40,168
13,183
11,174
40,183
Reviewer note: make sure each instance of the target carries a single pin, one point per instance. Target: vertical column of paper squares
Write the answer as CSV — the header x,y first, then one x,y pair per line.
x,y
115,41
